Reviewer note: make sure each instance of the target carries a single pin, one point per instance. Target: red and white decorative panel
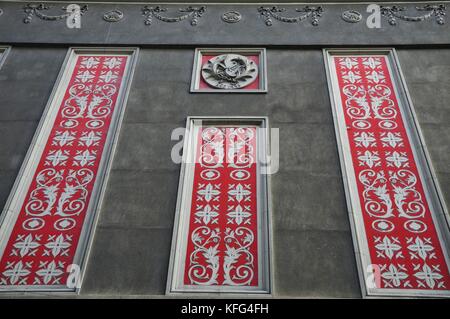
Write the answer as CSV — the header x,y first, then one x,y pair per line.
x,y
52,207
222,242
400,231
229,70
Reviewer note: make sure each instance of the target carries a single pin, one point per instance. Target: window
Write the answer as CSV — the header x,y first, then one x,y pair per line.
x,y
49,217
401,235
221,235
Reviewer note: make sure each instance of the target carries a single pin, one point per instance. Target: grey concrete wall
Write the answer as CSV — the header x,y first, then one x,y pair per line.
x,y
313,247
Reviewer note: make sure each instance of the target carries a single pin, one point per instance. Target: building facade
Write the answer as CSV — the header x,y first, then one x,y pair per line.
x,y
224,149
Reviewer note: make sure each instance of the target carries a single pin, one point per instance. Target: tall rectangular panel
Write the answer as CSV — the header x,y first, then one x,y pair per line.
x,y
400,228
222,243
51,210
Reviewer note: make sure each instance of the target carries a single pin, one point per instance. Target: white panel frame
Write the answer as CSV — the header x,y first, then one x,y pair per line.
x,y
196,70
175,285
4,51
425,168
19,190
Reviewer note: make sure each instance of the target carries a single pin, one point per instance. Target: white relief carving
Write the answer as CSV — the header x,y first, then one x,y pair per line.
x,y
428,276
108,76
408,200
212,148
43,197
352,77
237,244
16,273
382,105
240,148
356,105
391,139
57,158
84,76
26,245
363,139
376,77
49,272
379,206
207,214
372,63
238,215
420,248
388,247
75,183
90,138
90,62
58,245
210,174
383,226
96,102
85,158
348,62
395,276
239,192
368,158
208,192
113,63
206,242
63,138
240,175
415,226
397,159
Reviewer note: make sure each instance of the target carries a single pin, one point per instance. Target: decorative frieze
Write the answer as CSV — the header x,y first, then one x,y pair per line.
x,y
392,13
193,13
269,13
37,10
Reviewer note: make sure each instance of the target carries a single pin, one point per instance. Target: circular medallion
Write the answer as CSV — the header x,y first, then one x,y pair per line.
x,y
229,71
351,16
113,16
231,17
64,224
210,174
383,225
415,226
1,12
33,223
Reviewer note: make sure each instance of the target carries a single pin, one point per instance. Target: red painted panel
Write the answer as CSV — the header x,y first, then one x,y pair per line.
x,y
400,232
46,234
252,86
222,239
